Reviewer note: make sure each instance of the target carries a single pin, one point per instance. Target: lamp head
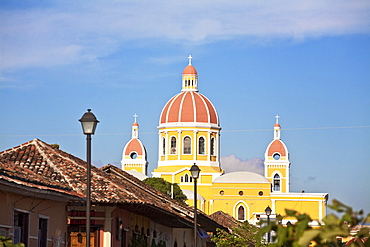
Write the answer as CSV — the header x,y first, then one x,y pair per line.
x,y
89,122
268,211
195,171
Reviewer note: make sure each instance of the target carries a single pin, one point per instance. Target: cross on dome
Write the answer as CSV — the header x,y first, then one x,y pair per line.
x,y
190,57
135,116
277,118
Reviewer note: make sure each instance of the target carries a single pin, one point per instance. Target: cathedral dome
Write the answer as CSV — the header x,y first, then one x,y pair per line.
x,y
189,106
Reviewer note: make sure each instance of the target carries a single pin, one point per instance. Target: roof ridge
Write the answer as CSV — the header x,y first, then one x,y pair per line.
x,y
95,172
38,144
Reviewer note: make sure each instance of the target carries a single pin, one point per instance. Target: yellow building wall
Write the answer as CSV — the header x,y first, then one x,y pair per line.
x,y
308,207
228,196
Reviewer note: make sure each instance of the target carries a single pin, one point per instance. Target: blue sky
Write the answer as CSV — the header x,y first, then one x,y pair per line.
x,y
308,61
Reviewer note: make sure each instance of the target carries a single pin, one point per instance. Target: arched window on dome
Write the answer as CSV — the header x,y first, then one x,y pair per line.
x,y
201,144
241,213
212,147
173,145
163,146
187,145
276,182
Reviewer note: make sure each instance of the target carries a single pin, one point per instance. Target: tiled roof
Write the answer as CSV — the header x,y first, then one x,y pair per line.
x,y
29,165
38,164
160,200
224,219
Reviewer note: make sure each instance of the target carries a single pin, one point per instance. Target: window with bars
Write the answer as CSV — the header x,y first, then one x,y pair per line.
x,y
276,182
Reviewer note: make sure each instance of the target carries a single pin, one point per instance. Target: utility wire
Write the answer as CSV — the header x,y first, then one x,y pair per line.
x,y
151,133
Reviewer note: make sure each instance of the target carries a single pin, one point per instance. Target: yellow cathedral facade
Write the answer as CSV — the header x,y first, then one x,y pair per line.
x,y
189,133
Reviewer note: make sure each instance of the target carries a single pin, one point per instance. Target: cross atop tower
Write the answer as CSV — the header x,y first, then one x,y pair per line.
x,y
190,57
277,118
135,116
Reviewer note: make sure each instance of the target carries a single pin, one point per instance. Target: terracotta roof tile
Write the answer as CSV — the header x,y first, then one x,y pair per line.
x,y
38,164
224,219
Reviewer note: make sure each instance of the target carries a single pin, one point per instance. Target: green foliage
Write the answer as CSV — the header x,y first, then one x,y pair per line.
x,y
160,243
244,234
7,242
165,187
138,241
325,235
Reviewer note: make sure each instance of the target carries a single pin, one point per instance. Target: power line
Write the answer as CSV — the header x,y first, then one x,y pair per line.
x,y
152,133
312,128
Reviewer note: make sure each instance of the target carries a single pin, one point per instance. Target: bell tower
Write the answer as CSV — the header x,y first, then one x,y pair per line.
x,y
134,156
277,162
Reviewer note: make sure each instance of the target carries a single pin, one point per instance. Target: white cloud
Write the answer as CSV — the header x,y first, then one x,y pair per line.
x,y
232,163
69,32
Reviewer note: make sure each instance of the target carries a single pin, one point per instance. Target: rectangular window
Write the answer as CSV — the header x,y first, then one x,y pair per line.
x,y
21,221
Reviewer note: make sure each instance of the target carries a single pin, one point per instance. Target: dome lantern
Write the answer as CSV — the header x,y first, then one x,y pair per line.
x,y
190,77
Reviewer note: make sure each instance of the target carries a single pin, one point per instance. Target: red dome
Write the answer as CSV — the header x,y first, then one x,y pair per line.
x,y
277,125
189,70
189,106
277,146
134,145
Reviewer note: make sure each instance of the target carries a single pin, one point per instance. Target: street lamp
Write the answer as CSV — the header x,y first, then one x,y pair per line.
x,y
88,122
195,175
268,213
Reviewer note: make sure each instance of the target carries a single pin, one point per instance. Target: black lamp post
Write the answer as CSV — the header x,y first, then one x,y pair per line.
x,y
195,175
88,122
268,213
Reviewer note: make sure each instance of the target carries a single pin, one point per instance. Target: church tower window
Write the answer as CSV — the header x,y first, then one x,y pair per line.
x,y
276,156
133,155
276,182
241,213
187,145
201,145
212,148
173,145
163,146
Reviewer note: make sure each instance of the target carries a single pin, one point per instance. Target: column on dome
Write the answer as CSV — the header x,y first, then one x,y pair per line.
x,y
209,147
167,146
195,144
179,144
